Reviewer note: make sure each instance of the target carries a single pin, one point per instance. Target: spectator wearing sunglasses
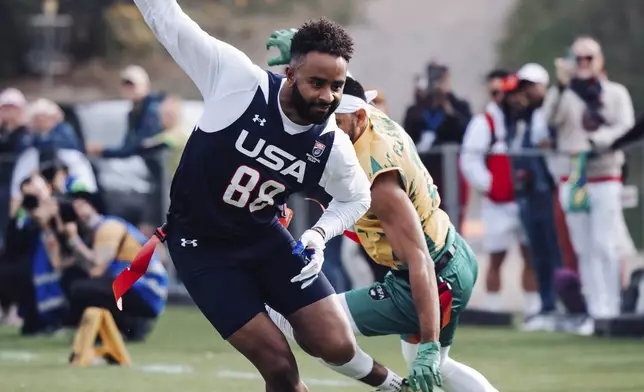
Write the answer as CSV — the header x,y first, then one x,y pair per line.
x,y
589,112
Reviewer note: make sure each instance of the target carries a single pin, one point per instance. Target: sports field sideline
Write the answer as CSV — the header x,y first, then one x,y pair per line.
x,y
185,354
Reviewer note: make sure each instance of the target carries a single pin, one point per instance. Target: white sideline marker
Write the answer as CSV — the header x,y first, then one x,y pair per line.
x,y
166,368
22,356
308,381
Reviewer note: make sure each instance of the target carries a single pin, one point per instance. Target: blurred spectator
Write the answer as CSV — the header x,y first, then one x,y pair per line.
x,y
173,137
114,244
495,84
379,101
144,121
47,128
12,130
30,161
589,113
492,134
28,271
535,188
438,118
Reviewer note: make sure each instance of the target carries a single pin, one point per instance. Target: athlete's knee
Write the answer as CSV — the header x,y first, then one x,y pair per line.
x,y
337,351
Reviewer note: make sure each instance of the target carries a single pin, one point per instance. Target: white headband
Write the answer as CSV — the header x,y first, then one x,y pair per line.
x,y
351,104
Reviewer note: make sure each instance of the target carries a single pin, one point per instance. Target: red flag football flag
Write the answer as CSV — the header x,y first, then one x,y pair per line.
x,y
137,269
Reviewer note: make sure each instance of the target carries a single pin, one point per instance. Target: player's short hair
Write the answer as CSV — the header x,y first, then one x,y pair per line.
x,y
324,36
354,88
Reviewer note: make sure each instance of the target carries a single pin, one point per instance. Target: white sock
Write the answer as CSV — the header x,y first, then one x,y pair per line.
x,y
531,303
393,382
493,301
458,377
409,351
359,367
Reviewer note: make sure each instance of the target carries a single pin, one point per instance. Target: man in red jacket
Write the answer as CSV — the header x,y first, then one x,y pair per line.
x,y
486,166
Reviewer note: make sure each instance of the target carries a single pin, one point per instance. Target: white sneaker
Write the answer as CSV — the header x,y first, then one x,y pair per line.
x,y
586,327
539,322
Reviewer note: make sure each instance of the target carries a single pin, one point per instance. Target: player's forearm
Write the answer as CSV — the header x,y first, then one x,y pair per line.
x,y
424,290
340,216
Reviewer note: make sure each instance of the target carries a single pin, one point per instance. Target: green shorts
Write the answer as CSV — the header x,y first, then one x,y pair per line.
x,y
387,308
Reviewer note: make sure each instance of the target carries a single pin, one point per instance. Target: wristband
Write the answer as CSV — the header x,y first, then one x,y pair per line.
x,y
320,231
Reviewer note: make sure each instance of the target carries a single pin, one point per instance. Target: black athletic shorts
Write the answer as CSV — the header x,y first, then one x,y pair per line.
x,y
230,281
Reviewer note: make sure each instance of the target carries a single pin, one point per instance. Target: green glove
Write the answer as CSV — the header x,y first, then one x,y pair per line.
x,y
425,370
282,40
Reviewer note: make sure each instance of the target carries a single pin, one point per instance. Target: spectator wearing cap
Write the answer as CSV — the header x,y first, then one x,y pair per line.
x,y
535,194
144,120
589,112
48,128
12,129
486,166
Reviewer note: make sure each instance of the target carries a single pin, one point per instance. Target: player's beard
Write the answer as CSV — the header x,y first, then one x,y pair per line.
x,y
305,109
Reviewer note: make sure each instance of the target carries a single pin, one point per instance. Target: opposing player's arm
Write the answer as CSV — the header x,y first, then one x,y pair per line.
x,y
402,227
214,66
347,183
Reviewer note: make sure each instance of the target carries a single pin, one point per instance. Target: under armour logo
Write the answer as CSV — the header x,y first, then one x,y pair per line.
x,y
260,120
185,242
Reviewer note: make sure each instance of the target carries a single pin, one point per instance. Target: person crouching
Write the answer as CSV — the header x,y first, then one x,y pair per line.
x,y
114,244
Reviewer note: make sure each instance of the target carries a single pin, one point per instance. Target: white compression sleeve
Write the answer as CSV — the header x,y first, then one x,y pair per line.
x,y
409,351
458,377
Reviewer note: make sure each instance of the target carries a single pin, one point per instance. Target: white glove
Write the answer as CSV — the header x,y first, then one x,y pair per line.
x,y
312,243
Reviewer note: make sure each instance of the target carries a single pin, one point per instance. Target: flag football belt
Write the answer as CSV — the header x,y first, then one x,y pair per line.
x,y
439,266
128,277
445,297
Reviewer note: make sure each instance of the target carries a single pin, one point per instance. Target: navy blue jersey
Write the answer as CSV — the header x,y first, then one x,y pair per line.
x,y
232,181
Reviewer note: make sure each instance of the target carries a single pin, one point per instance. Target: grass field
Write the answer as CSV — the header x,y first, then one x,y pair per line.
x,y
185,355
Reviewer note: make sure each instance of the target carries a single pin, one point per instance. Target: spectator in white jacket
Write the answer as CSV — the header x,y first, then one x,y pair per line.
x,y
486,166
589,112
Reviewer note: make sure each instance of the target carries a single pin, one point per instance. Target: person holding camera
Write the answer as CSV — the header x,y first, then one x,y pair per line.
x,y
33,261
589,113
114,243
438,118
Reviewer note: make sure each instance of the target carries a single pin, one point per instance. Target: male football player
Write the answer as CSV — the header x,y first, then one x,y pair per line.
x,y
433,269
261,138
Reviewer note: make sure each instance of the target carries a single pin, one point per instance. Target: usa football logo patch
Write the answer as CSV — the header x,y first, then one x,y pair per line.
x,y
318,149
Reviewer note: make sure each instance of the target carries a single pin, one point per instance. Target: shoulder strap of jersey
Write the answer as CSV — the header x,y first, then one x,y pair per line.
x,y
274,85
490,123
